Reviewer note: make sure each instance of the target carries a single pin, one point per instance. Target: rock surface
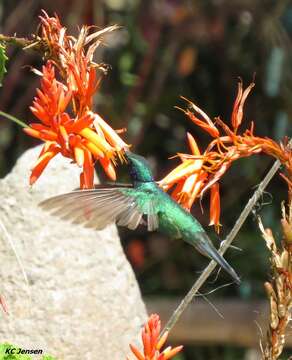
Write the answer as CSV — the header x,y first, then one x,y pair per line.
x,y
82,301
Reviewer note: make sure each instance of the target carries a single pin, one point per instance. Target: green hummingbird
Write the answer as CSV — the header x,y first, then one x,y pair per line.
x,y
142,202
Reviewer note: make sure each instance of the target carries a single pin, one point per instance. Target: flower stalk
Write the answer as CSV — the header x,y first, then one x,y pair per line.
x,y
201,171
279,289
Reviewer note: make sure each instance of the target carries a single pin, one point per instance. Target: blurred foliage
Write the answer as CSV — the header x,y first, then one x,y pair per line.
x,y
165,49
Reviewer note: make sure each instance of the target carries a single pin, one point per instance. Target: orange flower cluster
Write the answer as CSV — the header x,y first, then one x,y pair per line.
x,y
201,171
152,343
64,107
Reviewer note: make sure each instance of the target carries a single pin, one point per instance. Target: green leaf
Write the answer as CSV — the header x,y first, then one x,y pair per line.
x,y
3,60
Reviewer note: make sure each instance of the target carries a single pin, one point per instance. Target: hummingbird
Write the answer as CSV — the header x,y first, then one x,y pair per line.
x,y
141,202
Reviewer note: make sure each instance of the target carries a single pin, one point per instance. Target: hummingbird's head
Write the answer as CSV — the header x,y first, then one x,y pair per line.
x,y
139,167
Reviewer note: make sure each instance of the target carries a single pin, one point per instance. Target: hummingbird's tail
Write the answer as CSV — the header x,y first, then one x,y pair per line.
x,y
204,245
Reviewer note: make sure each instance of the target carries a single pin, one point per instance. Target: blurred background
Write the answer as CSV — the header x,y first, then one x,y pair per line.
x,y
165,49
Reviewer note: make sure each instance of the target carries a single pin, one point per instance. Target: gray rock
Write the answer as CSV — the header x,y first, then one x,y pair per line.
x,y
82,301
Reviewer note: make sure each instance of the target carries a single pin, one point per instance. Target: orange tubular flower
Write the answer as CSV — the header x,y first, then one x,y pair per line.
x,y
206,124
237,113
84,137
215,207
152,344
201,171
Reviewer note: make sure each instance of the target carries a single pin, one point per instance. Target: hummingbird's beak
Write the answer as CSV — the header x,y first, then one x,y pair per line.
x,y
205,247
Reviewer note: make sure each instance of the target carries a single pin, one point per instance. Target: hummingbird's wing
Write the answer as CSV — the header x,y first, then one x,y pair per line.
x,y
96,208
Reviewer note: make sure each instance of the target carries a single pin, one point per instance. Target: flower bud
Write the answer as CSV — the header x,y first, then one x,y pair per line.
x,y
287,231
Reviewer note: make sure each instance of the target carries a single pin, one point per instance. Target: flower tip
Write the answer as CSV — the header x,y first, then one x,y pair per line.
x,y
162,340
122,154
180,109
192,144
186,99
32,180
79,156
136,352
169,353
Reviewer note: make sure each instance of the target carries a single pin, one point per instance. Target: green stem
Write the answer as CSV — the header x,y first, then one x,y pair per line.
x,y
12,118
22,42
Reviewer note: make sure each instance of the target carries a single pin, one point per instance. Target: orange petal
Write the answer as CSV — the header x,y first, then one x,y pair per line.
x,y
187,190
47,146
199,111
234,119
209,128
193,145
185,169
108,168
91,87
98,129
177,190
95,151
223,168
110,134
99,142
88,170
66,121
40,113
49,135
162,340
42,162
148,350
171,353
81,123
173,176
242,101
38,126
215,206
79,156
136,352
43,98
32,132
221,140
82,183
154,338
63,100
63,133
40,131
196,190
76,85
237,112
189,183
